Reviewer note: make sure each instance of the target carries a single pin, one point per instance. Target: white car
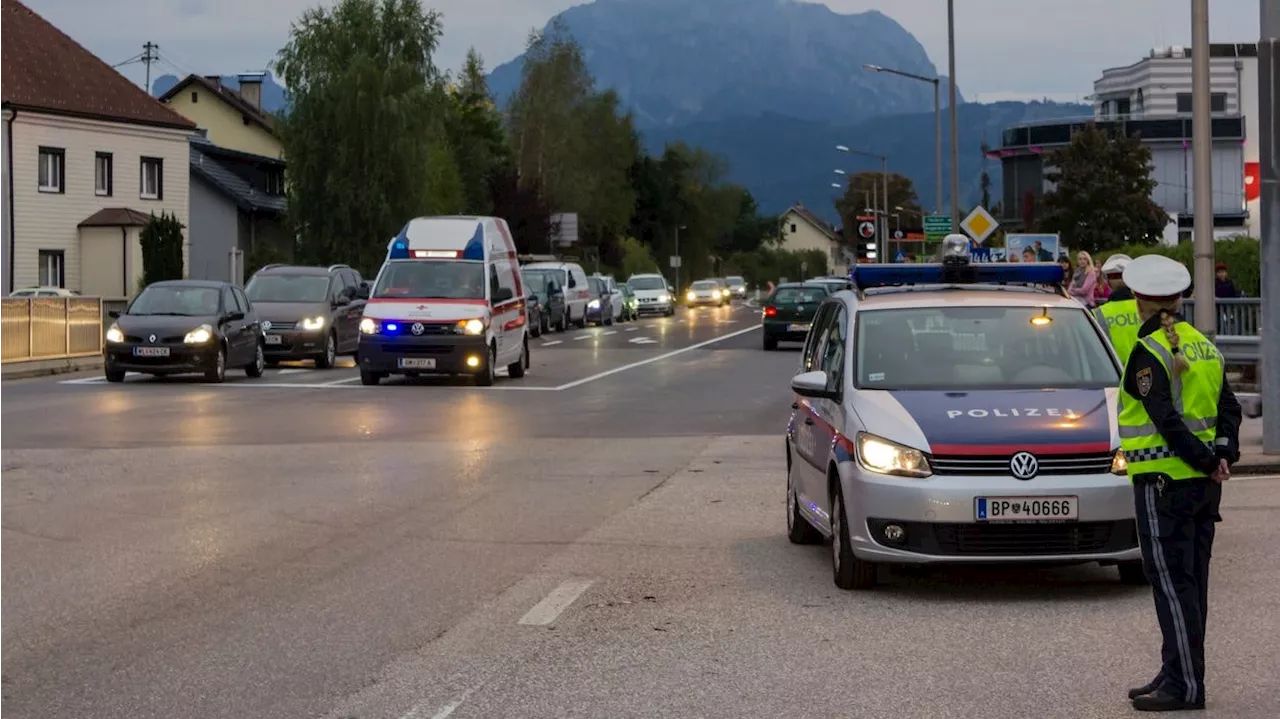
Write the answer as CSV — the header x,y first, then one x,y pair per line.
x,y
653,294
44,292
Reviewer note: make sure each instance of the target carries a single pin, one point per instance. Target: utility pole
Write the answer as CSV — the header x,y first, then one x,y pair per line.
x,y
951,91
1269,154
148,57
937,145
884,187
1206,314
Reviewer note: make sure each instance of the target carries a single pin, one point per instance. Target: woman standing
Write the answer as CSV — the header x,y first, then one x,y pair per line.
x,y
1065,264
1084,280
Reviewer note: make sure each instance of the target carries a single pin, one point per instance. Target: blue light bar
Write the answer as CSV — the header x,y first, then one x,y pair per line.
x,y
475,246
399,249
889,275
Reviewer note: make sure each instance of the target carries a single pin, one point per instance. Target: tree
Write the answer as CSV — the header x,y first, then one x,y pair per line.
x,y
161,241
476,135
1102,192
866,189
522,205
366,118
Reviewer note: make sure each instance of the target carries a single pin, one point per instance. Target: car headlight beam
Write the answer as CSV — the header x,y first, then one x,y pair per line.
x,y
369,326
199,335
594,304
311,324
114,333
472,326
877,454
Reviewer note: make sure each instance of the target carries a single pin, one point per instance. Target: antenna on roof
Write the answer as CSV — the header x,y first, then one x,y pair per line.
x,y
147,59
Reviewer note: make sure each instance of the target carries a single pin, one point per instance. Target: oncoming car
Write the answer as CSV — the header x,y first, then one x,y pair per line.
x,y
940,419
707,292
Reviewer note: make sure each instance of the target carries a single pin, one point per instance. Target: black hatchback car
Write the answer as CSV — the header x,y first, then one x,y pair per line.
x,y
789,311
185,327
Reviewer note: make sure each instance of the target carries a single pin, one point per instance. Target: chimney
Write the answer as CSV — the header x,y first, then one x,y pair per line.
x,y
215,79
251,88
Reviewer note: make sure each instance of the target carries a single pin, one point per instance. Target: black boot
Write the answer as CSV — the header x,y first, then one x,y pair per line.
x,y
1159,701
1147,688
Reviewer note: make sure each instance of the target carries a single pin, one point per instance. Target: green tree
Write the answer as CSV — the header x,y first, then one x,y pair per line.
x,y
1102,193
476,135
367,109
866,189
161,241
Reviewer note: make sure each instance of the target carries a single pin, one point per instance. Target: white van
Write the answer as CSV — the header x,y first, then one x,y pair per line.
x,y
448,300
572,280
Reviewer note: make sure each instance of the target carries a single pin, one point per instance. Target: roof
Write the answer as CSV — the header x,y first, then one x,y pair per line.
x,y
44,70
229,95
813,219
204,164
296,270
211,284
960,295
116,217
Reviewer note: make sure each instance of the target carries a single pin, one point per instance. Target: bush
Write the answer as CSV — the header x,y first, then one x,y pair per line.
x,y
1242,256
635,259
769,265
161,242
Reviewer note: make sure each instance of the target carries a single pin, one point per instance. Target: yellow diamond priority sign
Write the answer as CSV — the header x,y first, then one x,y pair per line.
x,y
979,224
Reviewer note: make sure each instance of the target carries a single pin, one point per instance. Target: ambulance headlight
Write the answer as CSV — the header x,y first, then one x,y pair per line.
x,y
955,247
471,327
369,326
1119,465
877,454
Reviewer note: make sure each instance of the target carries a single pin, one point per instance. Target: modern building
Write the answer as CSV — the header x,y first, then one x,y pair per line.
x,y
237,212
88,158
801,230
1152,99
228,117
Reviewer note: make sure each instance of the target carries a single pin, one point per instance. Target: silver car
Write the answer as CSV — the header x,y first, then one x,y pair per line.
x,y
944,420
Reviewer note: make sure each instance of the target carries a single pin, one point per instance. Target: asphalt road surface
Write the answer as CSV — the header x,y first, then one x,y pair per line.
x,y
603,538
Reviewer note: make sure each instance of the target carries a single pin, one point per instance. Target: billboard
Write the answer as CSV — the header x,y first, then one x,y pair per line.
x,y
1031,248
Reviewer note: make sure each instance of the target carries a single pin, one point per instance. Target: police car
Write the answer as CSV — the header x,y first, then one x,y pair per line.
x,y
448,300
958,413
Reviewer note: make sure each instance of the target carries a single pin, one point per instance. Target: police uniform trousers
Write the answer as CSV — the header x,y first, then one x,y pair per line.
x,y
1176,523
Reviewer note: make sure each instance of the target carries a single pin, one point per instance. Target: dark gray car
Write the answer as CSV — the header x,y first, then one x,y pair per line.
x,y
308,313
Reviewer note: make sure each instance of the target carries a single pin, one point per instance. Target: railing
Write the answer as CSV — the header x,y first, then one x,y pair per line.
x,y
45,328
1236,316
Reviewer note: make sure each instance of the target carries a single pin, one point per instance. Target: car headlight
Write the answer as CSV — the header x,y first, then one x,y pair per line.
x,y
725,293
114,334
1119,464
663,298
199,335
369,326
880,455
471,326
691,296
594,304
311,324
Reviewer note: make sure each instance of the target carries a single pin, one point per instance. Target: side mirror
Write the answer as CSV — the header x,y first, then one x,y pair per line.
x,y
812,384
342,300
503,294
114,314
234,317
363,292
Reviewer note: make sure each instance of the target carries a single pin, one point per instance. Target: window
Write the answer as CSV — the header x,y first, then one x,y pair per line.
x,y
152,180
102,174
431,279
228,301
195,97
287,288
833,350
793,227
53,268
275,182
52,169
1217,102
242,302
1122,107
814,339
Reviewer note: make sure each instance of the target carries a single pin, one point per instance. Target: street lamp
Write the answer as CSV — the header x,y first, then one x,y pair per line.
x,y
951,110
884,181
937,124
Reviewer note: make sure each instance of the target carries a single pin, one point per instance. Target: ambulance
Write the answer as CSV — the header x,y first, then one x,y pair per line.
x,y
448,300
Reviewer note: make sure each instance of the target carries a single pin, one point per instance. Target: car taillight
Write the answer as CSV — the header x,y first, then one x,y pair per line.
x,y
771,311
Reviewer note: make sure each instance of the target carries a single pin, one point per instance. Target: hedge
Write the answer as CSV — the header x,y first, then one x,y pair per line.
x,y
1241,255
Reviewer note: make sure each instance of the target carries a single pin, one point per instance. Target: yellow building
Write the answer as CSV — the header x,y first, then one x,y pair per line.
x,y
803,230
228,118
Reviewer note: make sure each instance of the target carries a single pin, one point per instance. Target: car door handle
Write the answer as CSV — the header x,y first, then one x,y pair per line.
x,y
808,420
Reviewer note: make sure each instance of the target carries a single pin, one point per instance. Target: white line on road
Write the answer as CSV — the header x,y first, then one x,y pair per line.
x,y
632,329
340,381
445,710
659,358
292,370
643,341
610,332
582,337
546,611
552,343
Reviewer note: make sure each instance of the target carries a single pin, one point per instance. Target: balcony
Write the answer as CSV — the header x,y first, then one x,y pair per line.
x,y
1037,137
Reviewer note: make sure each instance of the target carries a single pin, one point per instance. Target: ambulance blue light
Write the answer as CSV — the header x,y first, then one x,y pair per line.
x,y
886,275
475,246
391,327
399,250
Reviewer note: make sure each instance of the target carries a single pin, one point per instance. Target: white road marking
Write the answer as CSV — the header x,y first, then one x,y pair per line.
x,y
292,370
643,341
632,329
345,380
552,343
1248,477
659,358
445,710
581,337
546,611
610,332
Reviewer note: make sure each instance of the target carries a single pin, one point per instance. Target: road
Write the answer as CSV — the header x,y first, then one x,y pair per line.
x,y
603,538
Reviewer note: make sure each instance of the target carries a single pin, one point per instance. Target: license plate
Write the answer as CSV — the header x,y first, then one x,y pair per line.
x,y
150,351
275,339
417,363
797,328
1026,509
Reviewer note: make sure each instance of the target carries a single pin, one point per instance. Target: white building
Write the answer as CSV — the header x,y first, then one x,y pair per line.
x,y
88,158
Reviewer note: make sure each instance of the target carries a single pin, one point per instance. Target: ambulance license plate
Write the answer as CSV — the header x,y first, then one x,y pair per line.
x,y
417,363
1026,509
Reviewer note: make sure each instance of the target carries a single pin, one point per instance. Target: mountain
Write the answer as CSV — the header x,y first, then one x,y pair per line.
x,y
675,62
274,97
784,160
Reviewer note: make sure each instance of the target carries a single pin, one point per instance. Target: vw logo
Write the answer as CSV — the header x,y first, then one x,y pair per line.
x,y
1024,465
266,324
151,339
417,328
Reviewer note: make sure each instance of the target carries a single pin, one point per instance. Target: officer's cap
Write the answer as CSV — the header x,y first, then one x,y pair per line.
x,y
1115,264
1156,277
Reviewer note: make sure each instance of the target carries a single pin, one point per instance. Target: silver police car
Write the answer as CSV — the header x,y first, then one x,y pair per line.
x,y
958,413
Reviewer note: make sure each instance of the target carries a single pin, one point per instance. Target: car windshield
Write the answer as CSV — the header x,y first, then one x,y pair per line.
x,y
288,288
647,283
969,348
704,285
735,281
431,279
537,280
798,295
176,300
598,286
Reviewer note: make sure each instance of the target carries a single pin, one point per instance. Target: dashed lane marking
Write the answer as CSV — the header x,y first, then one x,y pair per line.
x,y
546,611
552,343
631,329
610,332
581,337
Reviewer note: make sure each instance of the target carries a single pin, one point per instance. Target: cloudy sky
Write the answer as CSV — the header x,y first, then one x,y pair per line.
x,y
1005,49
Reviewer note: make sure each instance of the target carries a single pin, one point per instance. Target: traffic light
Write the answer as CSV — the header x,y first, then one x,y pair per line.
x,y
865,239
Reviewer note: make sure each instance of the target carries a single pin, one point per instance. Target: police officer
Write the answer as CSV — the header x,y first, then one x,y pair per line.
x,y
1119,314
1179,429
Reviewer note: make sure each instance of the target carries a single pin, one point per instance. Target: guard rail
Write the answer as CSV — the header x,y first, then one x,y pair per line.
x,y
48,328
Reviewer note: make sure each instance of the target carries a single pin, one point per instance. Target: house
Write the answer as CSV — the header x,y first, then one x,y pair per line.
x,y
88,157
237,210
800,230
228,117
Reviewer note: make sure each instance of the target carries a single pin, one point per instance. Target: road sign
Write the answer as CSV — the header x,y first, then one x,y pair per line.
x,y
867,230
937,227
675,261
979,224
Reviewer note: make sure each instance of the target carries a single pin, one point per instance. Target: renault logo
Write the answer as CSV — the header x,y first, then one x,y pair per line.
x,y
1024,465
152,339
417,328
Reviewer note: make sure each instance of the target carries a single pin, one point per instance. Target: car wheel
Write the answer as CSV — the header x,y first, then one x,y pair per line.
x,y
1132,573
369,379
218,372
259,363
544,325
330,356
582,323
848,571
799,531
770,343
484,378
516,369
114,375
563,324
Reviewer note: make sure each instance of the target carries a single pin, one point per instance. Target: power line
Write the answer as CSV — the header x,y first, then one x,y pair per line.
x,y
130,61
148,58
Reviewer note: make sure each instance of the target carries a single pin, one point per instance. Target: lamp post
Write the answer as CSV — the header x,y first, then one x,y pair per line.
x,y
951,110
1206,314
884,187
679,262
1269,154
937,125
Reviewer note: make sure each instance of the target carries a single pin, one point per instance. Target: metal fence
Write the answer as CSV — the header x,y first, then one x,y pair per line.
x,y
1238,317
44,328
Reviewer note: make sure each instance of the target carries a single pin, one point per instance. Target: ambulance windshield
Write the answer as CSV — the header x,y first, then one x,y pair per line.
x,y
431,279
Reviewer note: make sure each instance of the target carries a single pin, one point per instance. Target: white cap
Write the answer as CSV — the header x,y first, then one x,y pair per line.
x,y
1115,264
1156,276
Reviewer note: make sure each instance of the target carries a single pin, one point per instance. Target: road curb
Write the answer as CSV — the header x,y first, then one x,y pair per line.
x,y
47,368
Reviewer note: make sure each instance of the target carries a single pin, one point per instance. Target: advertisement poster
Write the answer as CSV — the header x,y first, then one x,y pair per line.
x,y
1031,248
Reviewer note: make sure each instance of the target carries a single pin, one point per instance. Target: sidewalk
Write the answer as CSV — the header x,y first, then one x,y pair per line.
x,y
1252,460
